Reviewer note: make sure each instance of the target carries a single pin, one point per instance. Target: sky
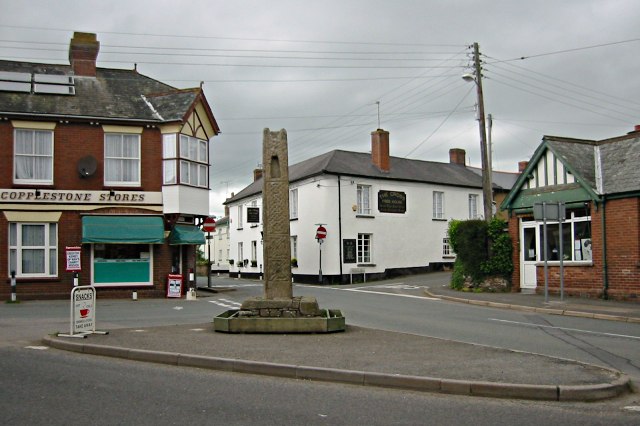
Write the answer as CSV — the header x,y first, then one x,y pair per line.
x,y
330,72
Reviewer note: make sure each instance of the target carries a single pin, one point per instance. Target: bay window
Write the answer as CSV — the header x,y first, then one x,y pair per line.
x,y
194,161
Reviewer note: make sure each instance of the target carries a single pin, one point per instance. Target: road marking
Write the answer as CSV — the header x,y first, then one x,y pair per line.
x,y
225,303
359,290
197,329
178,308
37,348
528,324
632,408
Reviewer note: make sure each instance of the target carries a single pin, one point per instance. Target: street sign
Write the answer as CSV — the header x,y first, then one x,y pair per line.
x,y
209,225
321,233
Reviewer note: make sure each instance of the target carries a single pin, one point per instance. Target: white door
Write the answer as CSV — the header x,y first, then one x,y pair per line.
x,y
528,255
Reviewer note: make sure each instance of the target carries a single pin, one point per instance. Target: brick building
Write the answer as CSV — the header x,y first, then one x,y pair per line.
x,y
107,160
598,182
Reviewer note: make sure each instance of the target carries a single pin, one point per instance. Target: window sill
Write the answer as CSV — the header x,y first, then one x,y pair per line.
x,y
293,219
435,219
366,265
448,256
365,216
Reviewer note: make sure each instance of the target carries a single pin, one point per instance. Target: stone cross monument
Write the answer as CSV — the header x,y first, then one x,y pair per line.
x,y
275,216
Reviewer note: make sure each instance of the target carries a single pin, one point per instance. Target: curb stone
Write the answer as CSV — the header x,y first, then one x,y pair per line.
x,y
591,392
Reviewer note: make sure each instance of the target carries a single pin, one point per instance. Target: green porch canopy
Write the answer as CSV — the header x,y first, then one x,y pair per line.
x,y
186,234
123,229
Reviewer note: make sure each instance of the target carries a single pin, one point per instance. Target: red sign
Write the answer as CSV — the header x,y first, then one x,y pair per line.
x,y
209,225
73,263
174,285
321,233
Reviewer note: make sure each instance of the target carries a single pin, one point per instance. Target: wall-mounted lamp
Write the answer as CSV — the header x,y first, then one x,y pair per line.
x,y
112,193
37,193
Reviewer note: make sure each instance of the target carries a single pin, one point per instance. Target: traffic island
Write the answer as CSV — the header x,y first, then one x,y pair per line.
x,y
281,315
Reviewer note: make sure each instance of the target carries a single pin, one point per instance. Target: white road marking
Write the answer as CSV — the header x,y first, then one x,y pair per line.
x,y
226,303
178,308
37,348
528,324
359,290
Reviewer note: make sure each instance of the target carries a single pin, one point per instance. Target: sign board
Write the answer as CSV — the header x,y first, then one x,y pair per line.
x,y
83,305
174,285
253,214
349,251
392,202
321,233
73,259
549,211
209,225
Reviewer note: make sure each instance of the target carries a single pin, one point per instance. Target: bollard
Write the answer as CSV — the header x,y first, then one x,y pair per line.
x,y
13,287
76,277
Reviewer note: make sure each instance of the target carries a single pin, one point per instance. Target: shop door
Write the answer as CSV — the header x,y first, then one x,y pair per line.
x,y
528,256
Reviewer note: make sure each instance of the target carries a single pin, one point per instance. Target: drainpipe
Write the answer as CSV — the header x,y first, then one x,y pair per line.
x,y
340,227
605,274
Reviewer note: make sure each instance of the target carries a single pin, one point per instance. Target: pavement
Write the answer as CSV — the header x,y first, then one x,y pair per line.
x,y
368,357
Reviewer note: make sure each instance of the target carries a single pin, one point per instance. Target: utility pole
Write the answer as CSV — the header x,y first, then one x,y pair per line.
x,y
487,189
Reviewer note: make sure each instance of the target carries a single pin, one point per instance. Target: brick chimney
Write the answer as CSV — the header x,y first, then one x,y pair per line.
x,y
457,156
380,150
522,165
83,51
257,174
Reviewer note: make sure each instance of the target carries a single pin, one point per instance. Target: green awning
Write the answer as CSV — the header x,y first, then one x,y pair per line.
x,y
123,229
186,234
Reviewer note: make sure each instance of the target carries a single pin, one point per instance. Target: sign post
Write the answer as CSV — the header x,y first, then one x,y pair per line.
x,y
551,211
74,262
321,234
83,313
209,226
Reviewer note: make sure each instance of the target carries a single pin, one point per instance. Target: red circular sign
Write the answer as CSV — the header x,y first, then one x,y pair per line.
x,y
321,233
209,225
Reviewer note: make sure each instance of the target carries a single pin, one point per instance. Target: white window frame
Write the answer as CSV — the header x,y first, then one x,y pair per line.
x,y
170,162
363,199
293,203
294,246
446,247
135,180
50,248
33,156
240,216
240,254
365,248
473,206
438,205
194,161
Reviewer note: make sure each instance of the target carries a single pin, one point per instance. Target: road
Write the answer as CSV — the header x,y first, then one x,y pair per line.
x,y
46,386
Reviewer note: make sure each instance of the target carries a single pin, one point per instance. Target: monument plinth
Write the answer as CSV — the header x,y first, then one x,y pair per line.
x,y
278,311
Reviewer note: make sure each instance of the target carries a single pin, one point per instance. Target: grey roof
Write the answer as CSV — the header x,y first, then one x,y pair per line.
x,y
359,164
578,155
114,94
500,180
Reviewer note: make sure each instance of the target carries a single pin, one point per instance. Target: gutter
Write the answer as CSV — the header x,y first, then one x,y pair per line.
x,y
340,227
605,269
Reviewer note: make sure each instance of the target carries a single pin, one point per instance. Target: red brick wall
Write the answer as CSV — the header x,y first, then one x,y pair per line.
x,y
72,142
623,256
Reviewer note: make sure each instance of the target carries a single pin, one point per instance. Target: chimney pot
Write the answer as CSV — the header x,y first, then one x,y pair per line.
x,y
83,51
457,156
257,174
380,150
522,165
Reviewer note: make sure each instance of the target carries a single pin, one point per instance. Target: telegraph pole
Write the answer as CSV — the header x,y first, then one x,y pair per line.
x,y
487,189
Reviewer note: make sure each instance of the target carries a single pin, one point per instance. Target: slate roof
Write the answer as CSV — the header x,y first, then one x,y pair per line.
x,y
113,95
357,164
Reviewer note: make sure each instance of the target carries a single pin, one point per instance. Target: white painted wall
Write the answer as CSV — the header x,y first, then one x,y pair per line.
x,y
412,239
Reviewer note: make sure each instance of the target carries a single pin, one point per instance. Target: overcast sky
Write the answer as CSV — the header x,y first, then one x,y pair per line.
x,y
318,69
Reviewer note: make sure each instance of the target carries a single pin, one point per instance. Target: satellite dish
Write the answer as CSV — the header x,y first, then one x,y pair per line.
x,y
87,166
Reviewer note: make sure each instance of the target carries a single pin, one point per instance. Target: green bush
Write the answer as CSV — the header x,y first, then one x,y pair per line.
x,y
483,250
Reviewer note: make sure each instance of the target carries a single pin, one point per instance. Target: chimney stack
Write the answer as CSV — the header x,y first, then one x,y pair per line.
x,y
380,150
522,165
457,156
257,174
83,51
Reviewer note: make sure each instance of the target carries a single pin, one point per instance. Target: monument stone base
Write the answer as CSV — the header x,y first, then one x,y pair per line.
x,y
294,315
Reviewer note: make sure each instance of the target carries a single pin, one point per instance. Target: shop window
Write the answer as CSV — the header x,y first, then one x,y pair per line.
x,y
364,199
33,249
364,248
122,159
122,264
576,239
33,156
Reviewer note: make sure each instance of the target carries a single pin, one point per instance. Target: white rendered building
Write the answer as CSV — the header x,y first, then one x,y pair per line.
x,y
384,215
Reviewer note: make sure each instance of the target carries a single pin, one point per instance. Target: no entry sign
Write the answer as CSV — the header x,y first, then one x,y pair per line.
x,y
321,233
209,225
